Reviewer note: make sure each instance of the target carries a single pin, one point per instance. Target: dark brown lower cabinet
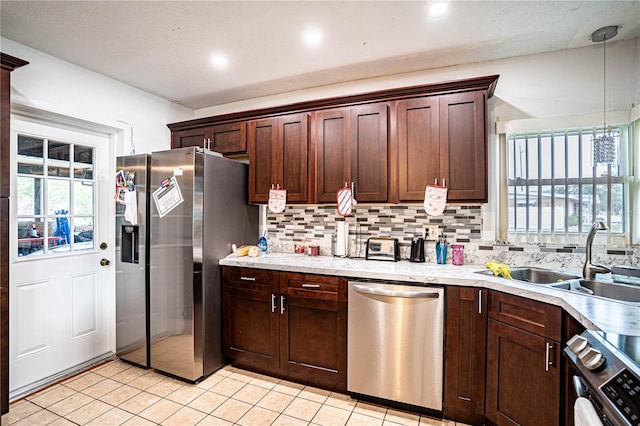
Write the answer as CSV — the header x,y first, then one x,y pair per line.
x,y
313,329
250,328
523,361
465,354
288,325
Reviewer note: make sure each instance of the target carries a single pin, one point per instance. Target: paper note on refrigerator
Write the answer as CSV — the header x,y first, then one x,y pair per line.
x,y
168,196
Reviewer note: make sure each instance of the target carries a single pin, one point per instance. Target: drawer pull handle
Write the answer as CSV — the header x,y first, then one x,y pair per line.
x,y
248,278
311,285
547,361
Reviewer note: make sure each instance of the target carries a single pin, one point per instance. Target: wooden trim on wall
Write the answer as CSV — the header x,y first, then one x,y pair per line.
x,y
487,83
7,64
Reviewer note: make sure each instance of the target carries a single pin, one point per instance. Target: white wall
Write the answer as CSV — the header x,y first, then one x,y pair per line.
x,y
60,87
637,59
568,82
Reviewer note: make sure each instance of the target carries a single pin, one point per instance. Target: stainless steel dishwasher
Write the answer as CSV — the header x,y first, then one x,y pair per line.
x,y
395,342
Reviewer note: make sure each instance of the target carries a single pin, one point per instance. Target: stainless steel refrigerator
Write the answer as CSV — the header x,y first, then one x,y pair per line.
x,y
132,260
198,210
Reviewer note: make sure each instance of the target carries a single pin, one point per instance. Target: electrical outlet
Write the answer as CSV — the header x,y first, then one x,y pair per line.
x,y
431,232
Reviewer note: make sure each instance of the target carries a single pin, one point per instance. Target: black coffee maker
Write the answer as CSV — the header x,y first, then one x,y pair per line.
x,y
417,249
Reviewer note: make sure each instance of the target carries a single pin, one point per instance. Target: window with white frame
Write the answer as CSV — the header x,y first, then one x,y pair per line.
x,y
55,196
555,190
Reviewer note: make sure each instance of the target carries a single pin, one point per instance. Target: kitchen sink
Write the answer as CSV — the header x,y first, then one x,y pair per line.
x,y
536,275
608,290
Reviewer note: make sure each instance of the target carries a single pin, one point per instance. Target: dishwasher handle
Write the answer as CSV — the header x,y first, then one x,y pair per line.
x,y
377,291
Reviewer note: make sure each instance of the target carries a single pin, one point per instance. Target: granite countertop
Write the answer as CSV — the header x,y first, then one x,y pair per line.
x,y
592,312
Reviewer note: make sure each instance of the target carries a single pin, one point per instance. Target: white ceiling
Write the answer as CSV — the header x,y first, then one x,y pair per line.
x,y
164,47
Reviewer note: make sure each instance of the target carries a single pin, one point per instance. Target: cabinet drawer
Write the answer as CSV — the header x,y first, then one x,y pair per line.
x,y
313,286
536,317
250,278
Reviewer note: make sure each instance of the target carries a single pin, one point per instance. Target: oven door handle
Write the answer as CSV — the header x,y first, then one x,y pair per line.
x,y
579,387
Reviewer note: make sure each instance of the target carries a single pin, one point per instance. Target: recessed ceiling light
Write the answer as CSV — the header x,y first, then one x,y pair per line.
x,y
219,61
312,37
438,9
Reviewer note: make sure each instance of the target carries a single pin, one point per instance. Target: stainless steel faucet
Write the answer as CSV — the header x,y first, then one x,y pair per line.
x,y
589,270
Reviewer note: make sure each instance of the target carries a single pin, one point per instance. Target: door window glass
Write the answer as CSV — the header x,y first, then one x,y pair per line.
x,y
55,197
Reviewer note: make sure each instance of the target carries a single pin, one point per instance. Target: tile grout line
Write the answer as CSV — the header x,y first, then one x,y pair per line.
x,y
295,394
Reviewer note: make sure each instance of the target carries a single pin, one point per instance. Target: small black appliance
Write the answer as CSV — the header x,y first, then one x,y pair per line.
x,y
417,250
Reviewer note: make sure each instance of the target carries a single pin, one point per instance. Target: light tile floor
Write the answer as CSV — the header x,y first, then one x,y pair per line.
x,y
117,393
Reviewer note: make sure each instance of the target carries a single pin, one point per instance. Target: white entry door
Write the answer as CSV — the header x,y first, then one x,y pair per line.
x,y
61,297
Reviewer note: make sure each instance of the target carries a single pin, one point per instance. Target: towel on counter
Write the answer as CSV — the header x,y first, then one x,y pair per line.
x,y
499,269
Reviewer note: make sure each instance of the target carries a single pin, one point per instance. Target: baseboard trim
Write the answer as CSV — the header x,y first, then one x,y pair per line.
x,y
24,391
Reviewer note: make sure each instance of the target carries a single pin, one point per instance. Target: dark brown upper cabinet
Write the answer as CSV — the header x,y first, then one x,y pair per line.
x,y
279,156
228,138
418,147
463,146
352,147
390,144
443,137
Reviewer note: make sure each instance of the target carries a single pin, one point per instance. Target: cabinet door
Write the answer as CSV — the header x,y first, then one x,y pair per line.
x,y
229,138
523,377
369,152
279,155
332,153
250,319
463,149
264,158
191,137
465,354
293,168
418,147
313,329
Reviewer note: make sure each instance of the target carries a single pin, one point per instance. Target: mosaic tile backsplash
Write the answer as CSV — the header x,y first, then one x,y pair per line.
x,y
459,224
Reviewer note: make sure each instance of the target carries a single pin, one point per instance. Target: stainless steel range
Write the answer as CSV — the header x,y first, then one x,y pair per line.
x,y
608,367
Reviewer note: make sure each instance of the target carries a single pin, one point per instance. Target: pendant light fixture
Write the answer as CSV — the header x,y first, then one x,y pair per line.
x,y
605,146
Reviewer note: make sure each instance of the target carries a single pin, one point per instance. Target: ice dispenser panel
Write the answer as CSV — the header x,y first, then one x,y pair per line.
x,y
130,244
